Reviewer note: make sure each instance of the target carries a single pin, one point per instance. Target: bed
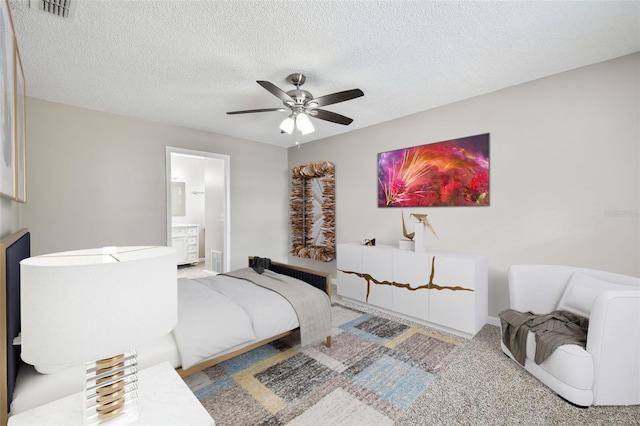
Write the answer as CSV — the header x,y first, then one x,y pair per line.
x,y
267,313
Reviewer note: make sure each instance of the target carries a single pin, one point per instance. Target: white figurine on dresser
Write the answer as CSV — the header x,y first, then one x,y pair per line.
x,y
447,290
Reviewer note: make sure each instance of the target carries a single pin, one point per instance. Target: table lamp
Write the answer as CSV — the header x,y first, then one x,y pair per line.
x,y
94,307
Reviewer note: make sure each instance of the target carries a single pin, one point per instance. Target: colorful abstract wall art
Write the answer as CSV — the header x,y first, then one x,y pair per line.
x,y
449,173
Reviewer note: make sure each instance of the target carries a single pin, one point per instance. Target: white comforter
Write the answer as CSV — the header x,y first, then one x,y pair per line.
x,y
216,315
220,314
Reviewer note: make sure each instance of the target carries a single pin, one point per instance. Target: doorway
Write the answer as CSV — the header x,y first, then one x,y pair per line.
x,y
198,207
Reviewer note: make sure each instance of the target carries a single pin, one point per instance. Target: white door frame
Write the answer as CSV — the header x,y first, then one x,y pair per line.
x,y
227,219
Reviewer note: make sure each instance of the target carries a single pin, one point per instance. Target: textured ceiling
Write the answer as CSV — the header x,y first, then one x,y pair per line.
x,y
187,62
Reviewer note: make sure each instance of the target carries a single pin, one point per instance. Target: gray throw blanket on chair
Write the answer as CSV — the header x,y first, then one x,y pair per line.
x,y
552,330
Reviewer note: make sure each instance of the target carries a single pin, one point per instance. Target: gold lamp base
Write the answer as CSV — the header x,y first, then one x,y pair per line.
x,y
110,400
111,388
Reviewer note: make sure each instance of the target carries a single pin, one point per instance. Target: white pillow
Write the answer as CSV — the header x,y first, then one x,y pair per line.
x,y
208,323
581,293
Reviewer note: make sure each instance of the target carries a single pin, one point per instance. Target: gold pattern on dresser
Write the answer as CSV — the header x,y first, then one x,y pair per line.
x,y
430,285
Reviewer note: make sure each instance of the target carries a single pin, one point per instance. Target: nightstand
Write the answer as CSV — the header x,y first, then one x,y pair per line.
x,y
163,399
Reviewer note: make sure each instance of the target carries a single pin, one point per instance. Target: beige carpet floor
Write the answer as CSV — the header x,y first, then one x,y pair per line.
x,y
482,386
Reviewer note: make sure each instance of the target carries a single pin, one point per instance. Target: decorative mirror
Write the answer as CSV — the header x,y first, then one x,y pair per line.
x,y
313,211
177,199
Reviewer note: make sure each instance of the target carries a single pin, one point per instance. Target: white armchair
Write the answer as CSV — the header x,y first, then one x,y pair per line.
x,y
607,372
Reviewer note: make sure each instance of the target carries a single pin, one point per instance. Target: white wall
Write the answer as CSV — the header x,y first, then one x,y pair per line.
x,y
9,219
96,179
565,185
564,179
215,188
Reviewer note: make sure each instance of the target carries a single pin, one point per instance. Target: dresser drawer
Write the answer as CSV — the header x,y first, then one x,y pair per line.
x,y
192,249
192,230
178,231
192,240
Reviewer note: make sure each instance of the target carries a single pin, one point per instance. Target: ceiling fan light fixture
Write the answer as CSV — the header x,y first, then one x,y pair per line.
x,y
301,104
287,125
304,124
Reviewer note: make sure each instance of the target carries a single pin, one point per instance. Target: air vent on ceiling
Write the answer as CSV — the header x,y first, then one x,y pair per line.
x,y
65,9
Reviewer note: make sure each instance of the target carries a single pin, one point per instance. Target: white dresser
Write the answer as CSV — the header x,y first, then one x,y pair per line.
x,y
185,239
447,290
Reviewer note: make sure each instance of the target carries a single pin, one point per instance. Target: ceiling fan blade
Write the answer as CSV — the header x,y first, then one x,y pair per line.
x,y
334,98
330,116
249,111
275,90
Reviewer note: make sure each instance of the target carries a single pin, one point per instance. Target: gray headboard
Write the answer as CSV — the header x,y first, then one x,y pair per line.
x,y
13,249
320,280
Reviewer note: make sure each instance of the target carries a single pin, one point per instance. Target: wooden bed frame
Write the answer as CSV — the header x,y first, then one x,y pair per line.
x,y
17,246
320,280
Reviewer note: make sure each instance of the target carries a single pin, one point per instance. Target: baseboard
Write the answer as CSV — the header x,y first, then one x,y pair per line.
x,y
493,321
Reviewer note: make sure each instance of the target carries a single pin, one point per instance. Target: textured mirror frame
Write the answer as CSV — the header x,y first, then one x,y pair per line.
x,y
302,212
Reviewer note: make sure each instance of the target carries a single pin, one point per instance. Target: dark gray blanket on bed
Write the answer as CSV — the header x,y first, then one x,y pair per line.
x,y
312,305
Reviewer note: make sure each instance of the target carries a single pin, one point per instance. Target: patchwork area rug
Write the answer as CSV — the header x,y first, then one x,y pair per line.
x,y
374,371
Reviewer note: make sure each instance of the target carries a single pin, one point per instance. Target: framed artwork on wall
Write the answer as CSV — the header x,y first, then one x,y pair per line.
x,y
7,88
20,131
448,173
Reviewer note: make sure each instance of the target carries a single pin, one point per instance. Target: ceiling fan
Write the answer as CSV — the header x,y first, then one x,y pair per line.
x,y
303,105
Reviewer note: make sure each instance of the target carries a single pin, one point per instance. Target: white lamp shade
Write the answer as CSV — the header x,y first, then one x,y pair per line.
x,y
84,305
304,124
287,125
